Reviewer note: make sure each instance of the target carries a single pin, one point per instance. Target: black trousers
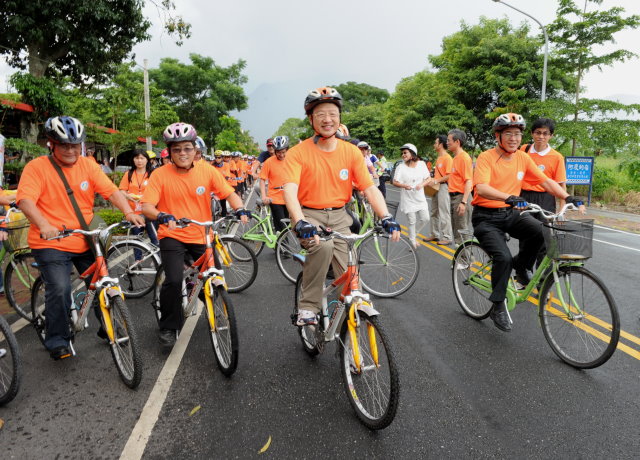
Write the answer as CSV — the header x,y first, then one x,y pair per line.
x,y
547,202
490,226
174,253
278,212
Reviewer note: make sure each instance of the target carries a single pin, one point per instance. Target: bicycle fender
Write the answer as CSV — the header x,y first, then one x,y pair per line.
x,y
367,308
106,315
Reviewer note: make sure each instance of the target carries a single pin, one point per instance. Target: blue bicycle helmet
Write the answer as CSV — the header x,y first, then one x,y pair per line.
x,y
65,130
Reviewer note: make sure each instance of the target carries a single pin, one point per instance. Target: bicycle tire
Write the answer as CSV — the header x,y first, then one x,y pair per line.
x,y
392,267
124,348
308,334
38,320
590,338
242,269
238,229
224,336
19,276
468,259
10,363
378,409
287,245
136,276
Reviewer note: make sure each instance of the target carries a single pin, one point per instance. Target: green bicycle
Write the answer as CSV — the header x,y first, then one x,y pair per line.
x,y
577,313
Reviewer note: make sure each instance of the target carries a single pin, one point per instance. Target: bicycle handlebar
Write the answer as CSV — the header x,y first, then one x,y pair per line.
x,y
327,234
548,215
70,231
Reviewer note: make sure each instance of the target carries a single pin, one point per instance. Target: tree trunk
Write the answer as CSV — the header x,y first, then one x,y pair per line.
x,y
28,126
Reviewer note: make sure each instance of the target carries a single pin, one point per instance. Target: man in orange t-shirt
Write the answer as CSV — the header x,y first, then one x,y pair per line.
x,y
497,179
460,185
320,172
43,199
223,167
273,172
441,202
182,189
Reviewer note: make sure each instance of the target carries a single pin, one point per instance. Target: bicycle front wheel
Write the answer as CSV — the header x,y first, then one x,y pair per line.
x,y
124,348
135,264
19,276
579,317
373,389
471,260
253,227
238,262
10,363
286,246
223,332
387,268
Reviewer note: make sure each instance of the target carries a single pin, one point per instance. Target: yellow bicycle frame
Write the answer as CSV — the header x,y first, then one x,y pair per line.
x,y
105,311
371,332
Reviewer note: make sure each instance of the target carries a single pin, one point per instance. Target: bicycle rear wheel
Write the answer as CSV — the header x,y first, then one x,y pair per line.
x,y
10,363
37,308
124,348
286,246
470,259
135,264
308,334
238,262
374,389
387,268
253,227
224,333
585,333
19,276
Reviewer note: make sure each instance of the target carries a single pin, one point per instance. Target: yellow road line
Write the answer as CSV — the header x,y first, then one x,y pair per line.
x,y
623,334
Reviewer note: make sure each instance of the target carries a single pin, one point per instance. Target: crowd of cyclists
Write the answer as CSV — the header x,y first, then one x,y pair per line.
x,y
310,183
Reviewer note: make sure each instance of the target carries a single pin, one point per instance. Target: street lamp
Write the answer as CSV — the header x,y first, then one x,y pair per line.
x,y
546,48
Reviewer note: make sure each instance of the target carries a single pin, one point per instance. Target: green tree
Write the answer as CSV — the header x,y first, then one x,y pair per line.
x,y
367,123
233,138
577,35
202,92
356,95
297,129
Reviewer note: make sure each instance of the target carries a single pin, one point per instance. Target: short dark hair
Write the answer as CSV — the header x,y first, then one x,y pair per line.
x,y
544,123
458,135
442,139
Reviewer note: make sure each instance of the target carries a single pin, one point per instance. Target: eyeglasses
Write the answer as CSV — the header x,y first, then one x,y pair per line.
x,y
510,135
323,115
187,150
67,147
542,133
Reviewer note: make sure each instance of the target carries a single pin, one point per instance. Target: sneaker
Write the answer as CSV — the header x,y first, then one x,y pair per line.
x,y
414,243
306,318
444,242
59,353
431,238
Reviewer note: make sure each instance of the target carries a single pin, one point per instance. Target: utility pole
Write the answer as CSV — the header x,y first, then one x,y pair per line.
x,y
147,104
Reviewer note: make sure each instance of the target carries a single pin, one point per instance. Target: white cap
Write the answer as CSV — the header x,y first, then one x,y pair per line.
x,y
410,147
363,145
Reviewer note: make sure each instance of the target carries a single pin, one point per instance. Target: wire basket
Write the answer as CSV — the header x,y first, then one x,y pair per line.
x,y
571,240
17,234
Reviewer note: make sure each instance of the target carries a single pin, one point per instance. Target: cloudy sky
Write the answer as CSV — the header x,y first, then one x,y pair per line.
x,y
292,46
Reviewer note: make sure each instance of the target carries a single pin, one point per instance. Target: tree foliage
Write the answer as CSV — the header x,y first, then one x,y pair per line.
x,y
356,95
202,92
367,123
296,129
233,138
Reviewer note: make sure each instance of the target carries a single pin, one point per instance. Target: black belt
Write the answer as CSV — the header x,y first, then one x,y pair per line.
x,y
324,209
454,193
491,210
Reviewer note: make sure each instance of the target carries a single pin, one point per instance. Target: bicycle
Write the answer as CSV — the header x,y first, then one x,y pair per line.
x,y
221,320
114,314
21,270
367,362
577,313
10,363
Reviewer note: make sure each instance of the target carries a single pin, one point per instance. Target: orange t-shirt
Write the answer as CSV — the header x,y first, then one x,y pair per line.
x,y
443,165
186,195
136,186
504,175
324,178
461,171
223,168
551,164
273,170
41,184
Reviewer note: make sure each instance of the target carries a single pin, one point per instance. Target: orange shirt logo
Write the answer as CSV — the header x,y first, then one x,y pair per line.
x,y
344,174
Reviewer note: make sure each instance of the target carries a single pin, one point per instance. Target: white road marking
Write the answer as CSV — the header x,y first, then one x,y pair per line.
x,y
17,325
616,230
617,245
139,437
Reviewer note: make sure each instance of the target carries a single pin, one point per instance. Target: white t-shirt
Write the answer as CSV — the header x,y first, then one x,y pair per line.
x,y
412,200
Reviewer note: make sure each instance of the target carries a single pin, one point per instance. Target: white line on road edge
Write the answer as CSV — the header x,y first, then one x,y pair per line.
x,y
139,437
618,245
616,230
19,324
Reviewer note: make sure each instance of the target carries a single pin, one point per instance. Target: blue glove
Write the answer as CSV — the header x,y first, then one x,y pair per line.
x,y
389,224
305,230
574,200
243,212
165,218
516,202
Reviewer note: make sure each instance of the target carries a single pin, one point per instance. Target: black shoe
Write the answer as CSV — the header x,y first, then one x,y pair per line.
x,y
500,316
60,352
102,334
167,338
523,277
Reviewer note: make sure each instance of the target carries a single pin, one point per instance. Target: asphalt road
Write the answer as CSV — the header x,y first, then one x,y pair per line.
x,y
467,389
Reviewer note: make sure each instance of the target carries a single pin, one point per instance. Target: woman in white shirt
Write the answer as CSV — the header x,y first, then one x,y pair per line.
x,y
411,177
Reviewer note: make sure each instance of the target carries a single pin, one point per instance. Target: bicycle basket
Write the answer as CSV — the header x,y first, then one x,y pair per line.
x,y
571,240
18,228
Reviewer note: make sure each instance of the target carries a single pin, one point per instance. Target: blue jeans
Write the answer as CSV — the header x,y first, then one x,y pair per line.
x,y
55,270
151,231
